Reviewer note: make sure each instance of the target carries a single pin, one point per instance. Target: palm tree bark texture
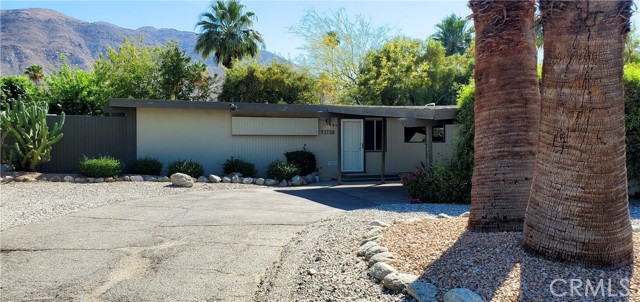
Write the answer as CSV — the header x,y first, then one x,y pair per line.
x,y
579,210
507,104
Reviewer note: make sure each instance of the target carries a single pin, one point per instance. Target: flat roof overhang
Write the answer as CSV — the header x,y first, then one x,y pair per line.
x,y
435,113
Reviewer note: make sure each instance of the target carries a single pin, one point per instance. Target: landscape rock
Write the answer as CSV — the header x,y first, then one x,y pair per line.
x,y
7,168
98,180
147,177
181,180
310,178
372,232
68,178
443,216
398,281
226,179
386,257
381,270
152,179
378,223
136,178
247,180
214,178
372,238
465,214
164,179
109,179
409,220
127,178
297,181
284,183
203,179
636,228
461,295
80,180
56,179
363,248
235,179
422,291
270,182
260,181
374,250
8,178
90,179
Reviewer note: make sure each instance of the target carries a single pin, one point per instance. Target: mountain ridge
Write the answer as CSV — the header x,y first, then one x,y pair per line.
x,y
38,36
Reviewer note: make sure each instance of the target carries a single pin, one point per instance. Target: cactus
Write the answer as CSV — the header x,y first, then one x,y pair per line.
x,y
24,125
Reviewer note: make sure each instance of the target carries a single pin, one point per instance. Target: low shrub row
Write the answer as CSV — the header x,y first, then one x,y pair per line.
x,y
439,183
298,162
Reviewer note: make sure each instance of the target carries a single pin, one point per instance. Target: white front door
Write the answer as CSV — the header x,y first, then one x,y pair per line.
x,y
352,146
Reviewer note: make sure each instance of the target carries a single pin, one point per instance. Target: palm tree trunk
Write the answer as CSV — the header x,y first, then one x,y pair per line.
x,y
507,104
579,208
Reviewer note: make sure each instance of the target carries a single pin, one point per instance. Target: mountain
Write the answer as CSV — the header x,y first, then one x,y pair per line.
x,y
38,37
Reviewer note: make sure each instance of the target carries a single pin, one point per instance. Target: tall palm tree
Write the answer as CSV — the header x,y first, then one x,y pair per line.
x,y
579,208
226,31
454,33
35,73
507,103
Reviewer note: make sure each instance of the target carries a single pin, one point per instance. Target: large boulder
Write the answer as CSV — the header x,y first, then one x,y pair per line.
x,y
381,270
214,179
181,180
247,180
297,181
398,281
423,291
260,181
461,295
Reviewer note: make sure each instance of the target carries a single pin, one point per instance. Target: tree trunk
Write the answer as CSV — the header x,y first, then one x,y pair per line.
x,y
507,105
579,208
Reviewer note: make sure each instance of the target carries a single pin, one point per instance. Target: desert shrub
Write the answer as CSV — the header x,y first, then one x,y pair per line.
x,y
632,118
237,165
281,170
147,166
189,167
303,159
440,183
103,166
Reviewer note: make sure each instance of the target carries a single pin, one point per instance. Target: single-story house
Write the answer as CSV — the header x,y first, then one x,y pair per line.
x,y
349,142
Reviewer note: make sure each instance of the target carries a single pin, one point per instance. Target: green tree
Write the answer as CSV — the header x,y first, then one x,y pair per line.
x,y
411,72
76,92
454,33
631,82
35,73
275,82
335,45
17,88
226,31
632,47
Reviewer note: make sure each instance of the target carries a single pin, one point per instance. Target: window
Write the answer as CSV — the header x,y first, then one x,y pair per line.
x,y
438,134
415,134
419,134
373,135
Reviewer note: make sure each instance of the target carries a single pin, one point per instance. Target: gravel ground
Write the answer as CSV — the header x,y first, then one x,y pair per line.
x,y
495,265
320,264
22,203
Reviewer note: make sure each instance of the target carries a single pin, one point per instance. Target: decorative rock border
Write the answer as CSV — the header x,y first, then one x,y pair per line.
x,y
379,261
234,178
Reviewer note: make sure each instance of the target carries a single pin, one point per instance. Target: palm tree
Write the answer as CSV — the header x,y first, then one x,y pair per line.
x,y
507,103
226,31
35,73
454,34
579,208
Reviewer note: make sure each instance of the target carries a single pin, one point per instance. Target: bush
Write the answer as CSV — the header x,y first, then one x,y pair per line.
x,y
189,167
236,165
104,166
281,170
147,166
632,118
303,159
437,184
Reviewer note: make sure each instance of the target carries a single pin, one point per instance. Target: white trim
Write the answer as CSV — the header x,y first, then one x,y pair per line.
x,y
342,138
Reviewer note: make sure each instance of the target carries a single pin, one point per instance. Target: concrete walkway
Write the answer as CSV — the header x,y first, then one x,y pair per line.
x,y
202,245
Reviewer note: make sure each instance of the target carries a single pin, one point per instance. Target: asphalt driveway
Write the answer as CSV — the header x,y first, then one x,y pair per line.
x,y
211,246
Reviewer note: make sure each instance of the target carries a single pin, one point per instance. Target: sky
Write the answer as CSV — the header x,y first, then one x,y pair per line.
x,y
415,19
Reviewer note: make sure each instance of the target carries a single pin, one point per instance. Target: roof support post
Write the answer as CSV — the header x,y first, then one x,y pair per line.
x,y
339,150
429,145
384,150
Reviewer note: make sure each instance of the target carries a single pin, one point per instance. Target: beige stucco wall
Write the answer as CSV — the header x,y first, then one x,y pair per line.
x,y
404,157
205,136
